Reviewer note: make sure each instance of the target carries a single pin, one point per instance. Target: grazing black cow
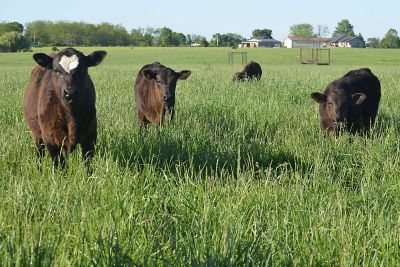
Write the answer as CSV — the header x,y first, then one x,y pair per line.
x,y
59,104
351,101
250,71
155,92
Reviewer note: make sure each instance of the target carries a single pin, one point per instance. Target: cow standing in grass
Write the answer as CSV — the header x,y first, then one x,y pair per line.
x,y
351,101
249,72
155,92
59,104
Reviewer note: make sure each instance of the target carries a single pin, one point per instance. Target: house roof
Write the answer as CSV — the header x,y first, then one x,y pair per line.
x,y
256,39
313,39
343,38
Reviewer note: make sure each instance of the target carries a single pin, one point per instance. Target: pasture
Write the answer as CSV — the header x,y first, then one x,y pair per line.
x,y
243,175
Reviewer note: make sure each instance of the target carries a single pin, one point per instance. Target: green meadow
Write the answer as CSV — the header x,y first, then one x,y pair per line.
x,y
242,177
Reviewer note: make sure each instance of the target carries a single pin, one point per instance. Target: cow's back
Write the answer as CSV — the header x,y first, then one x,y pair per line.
x,y
364,81
253,69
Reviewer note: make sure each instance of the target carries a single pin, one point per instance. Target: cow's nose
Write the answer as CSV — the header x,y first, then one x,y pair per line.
x,y
337,118
66,92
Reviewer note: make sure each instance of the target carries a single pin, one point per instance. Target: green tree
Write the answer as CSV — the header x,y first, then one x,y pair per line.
x,y
11,27
227,39
391,39
166,37
267,33
202,41
373,42
37,32
12,42
344,28
179,39
304,30
137,37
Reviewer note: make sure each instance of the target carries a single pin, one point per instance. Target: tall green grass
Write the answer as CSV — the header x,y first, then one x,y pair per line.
x,y
242,177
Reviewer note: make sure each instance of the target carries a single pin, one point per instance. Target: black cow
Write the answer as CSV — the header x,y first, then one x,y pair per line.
x,y
351,101
249,72
155,92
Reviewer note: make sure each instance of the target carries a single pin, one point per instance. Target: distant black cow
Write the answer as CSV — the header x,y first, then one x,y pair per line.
x,y
351,101
250,71
155,92
59,103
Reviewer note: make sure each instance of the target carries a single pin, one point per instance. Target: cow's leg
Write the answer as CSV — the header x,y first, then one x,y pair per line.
x,y
40,151
161,120
88,148
57,155
171,112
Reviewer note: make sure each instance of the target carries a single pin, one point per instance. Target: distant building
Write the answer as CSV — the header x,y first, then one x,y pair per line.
x,y
260,41
300,42
348,41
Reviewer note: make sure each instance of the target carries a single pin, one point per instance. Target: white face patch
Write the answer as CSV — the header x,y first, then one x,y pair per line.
x,y
69,63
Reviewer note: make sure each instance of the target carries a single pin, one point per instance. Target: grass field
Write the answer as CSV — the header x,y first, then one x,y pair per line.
x,y
242,177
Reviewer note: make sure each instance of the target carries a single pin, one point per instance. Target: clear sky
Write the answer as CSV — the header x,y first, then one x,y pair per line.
x,y
371,18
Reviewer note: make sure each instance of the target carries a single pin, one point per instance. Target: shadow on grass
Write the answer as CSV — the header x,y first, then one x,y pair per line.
x,y
218,144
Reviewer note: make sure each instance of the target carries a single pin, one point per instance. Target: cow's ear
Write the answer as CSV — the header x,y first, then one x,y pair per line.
x,y
358,98
149,73
95,58
183,75
318,97
43,60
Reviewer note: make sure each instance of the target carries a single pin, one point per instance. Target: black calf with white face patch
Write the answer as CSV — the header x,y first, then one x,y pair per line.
x,y
71,67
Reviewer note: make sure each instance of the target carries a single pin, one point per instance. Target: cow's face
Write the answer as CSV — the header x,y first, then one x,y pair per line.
x,y
165,80
336,105
71,70
239,76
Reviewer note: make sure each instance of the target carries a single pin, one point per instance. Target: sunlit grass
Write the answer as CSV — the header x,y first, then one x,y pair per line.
x,y
243,175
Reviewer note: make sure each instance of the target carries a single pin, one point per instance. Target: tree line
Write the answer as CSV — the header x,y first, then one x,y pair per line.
x,y
344,27
16,37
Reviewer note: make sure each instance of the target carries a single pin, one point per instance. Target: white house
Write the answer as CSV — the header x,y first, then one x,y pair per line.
x,y
299,42
347,41
260,41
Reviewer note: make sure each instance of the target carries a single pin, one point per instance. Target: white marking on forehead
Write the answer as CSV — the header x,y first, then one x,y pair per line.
x,y
69,63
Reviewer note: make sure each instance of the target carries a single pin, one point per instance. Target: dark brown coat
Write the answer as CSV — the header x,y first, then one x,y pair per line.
x,y
155,87
59,103
249,72
351,101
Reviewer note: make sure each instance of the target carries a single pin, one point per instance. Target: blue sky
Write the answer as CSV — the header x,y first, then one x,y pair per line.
x,y
206,17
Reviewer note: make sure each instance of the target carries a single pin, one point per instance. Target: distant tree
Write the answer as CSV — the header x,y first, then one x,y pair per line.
x,y
304,30
373,42
391,39
11,27
166,37
227,39
137,37
202,41
194,38
179,39
37,32
344,28
267,33
13,42
321,31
